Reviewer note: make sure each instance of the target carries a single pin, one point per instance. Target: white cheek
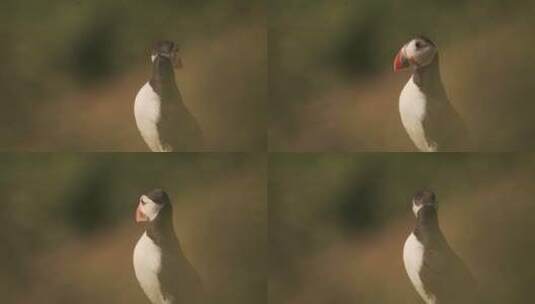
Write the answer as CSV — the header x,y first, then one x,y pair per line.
x,y
415,208
151,210
409,50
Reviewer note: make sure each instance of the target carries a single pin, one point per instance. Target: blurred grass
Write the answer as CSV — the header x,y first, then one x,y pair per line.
x,y
331,82
337,223
69,229
70,71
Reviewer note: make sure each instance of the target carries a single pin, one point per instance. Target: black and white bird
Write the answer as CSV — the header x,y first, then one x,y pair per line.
x,y
426,112
163,120
162,270
436,272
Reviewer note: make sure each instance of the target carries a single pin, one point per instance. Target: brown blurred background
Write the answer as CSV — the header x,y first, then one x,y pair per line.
x,y
338,222
331,82
70,70
69,232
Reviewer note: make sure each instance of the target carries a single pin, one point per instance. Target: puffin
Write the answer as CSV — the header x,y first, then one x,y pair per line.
x,y
434,269
427,115
163,272
164,121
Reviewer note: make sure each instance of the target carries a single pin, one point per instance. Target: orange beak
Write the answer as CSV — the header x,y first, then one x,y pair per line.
x,y
401,61
140,216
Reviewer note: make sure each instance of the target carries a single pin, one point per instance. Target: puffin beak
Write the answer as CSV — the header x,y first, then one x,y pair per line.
x,y
140,216
401,61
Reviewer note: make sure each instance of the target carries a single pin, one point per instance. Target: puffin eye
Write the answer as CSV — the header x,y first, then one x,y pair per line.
x,y
418,44
142,202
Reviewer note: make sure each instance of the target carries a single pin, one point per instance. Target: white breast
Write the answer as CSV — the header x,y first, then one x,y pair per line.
x,y
147,263
412,107
413,255
147,113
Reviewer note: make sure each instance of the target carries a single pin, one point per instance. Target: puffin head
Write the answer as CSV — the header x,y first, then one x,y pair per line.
x,y
416,53
151,204
423,198
167,49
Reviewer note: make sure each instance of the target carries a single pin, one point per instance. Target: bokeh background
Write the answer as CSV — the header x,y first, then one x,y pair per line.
x,y
331,82
70,70
69,230
338,222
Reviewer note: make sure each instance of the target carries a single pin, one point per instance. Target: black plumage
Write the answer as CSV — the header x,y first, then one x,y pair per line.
x,y
442,123
178,279
163,271
427,114
177,127
443,274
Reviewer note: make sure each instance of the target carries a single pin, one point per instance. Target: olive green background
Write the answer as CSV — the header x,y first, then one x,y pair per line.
x,y
332,85
338,222
296,75
68,227
70,70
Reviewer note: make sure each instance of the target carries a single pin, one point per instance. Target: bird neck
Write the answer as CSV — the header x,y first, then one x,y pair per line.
x,y
161,229
428,78
163,75
427,228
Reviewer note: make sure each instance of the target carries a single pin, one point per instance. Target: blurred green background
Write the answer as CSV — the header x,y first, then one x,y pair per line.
x,y
70,70
331,82
338,222
69,231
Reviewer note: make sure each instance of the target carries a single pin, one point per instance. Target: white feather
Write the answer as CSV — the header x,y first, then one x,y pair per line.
x,y
413,255
412,107
416,208
147,113
147,263
150,208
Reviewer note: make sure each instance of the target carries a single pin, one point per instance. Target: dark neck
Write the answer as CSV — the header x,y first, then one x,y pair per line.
x,y
163,74
427,229
428,79
161,229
